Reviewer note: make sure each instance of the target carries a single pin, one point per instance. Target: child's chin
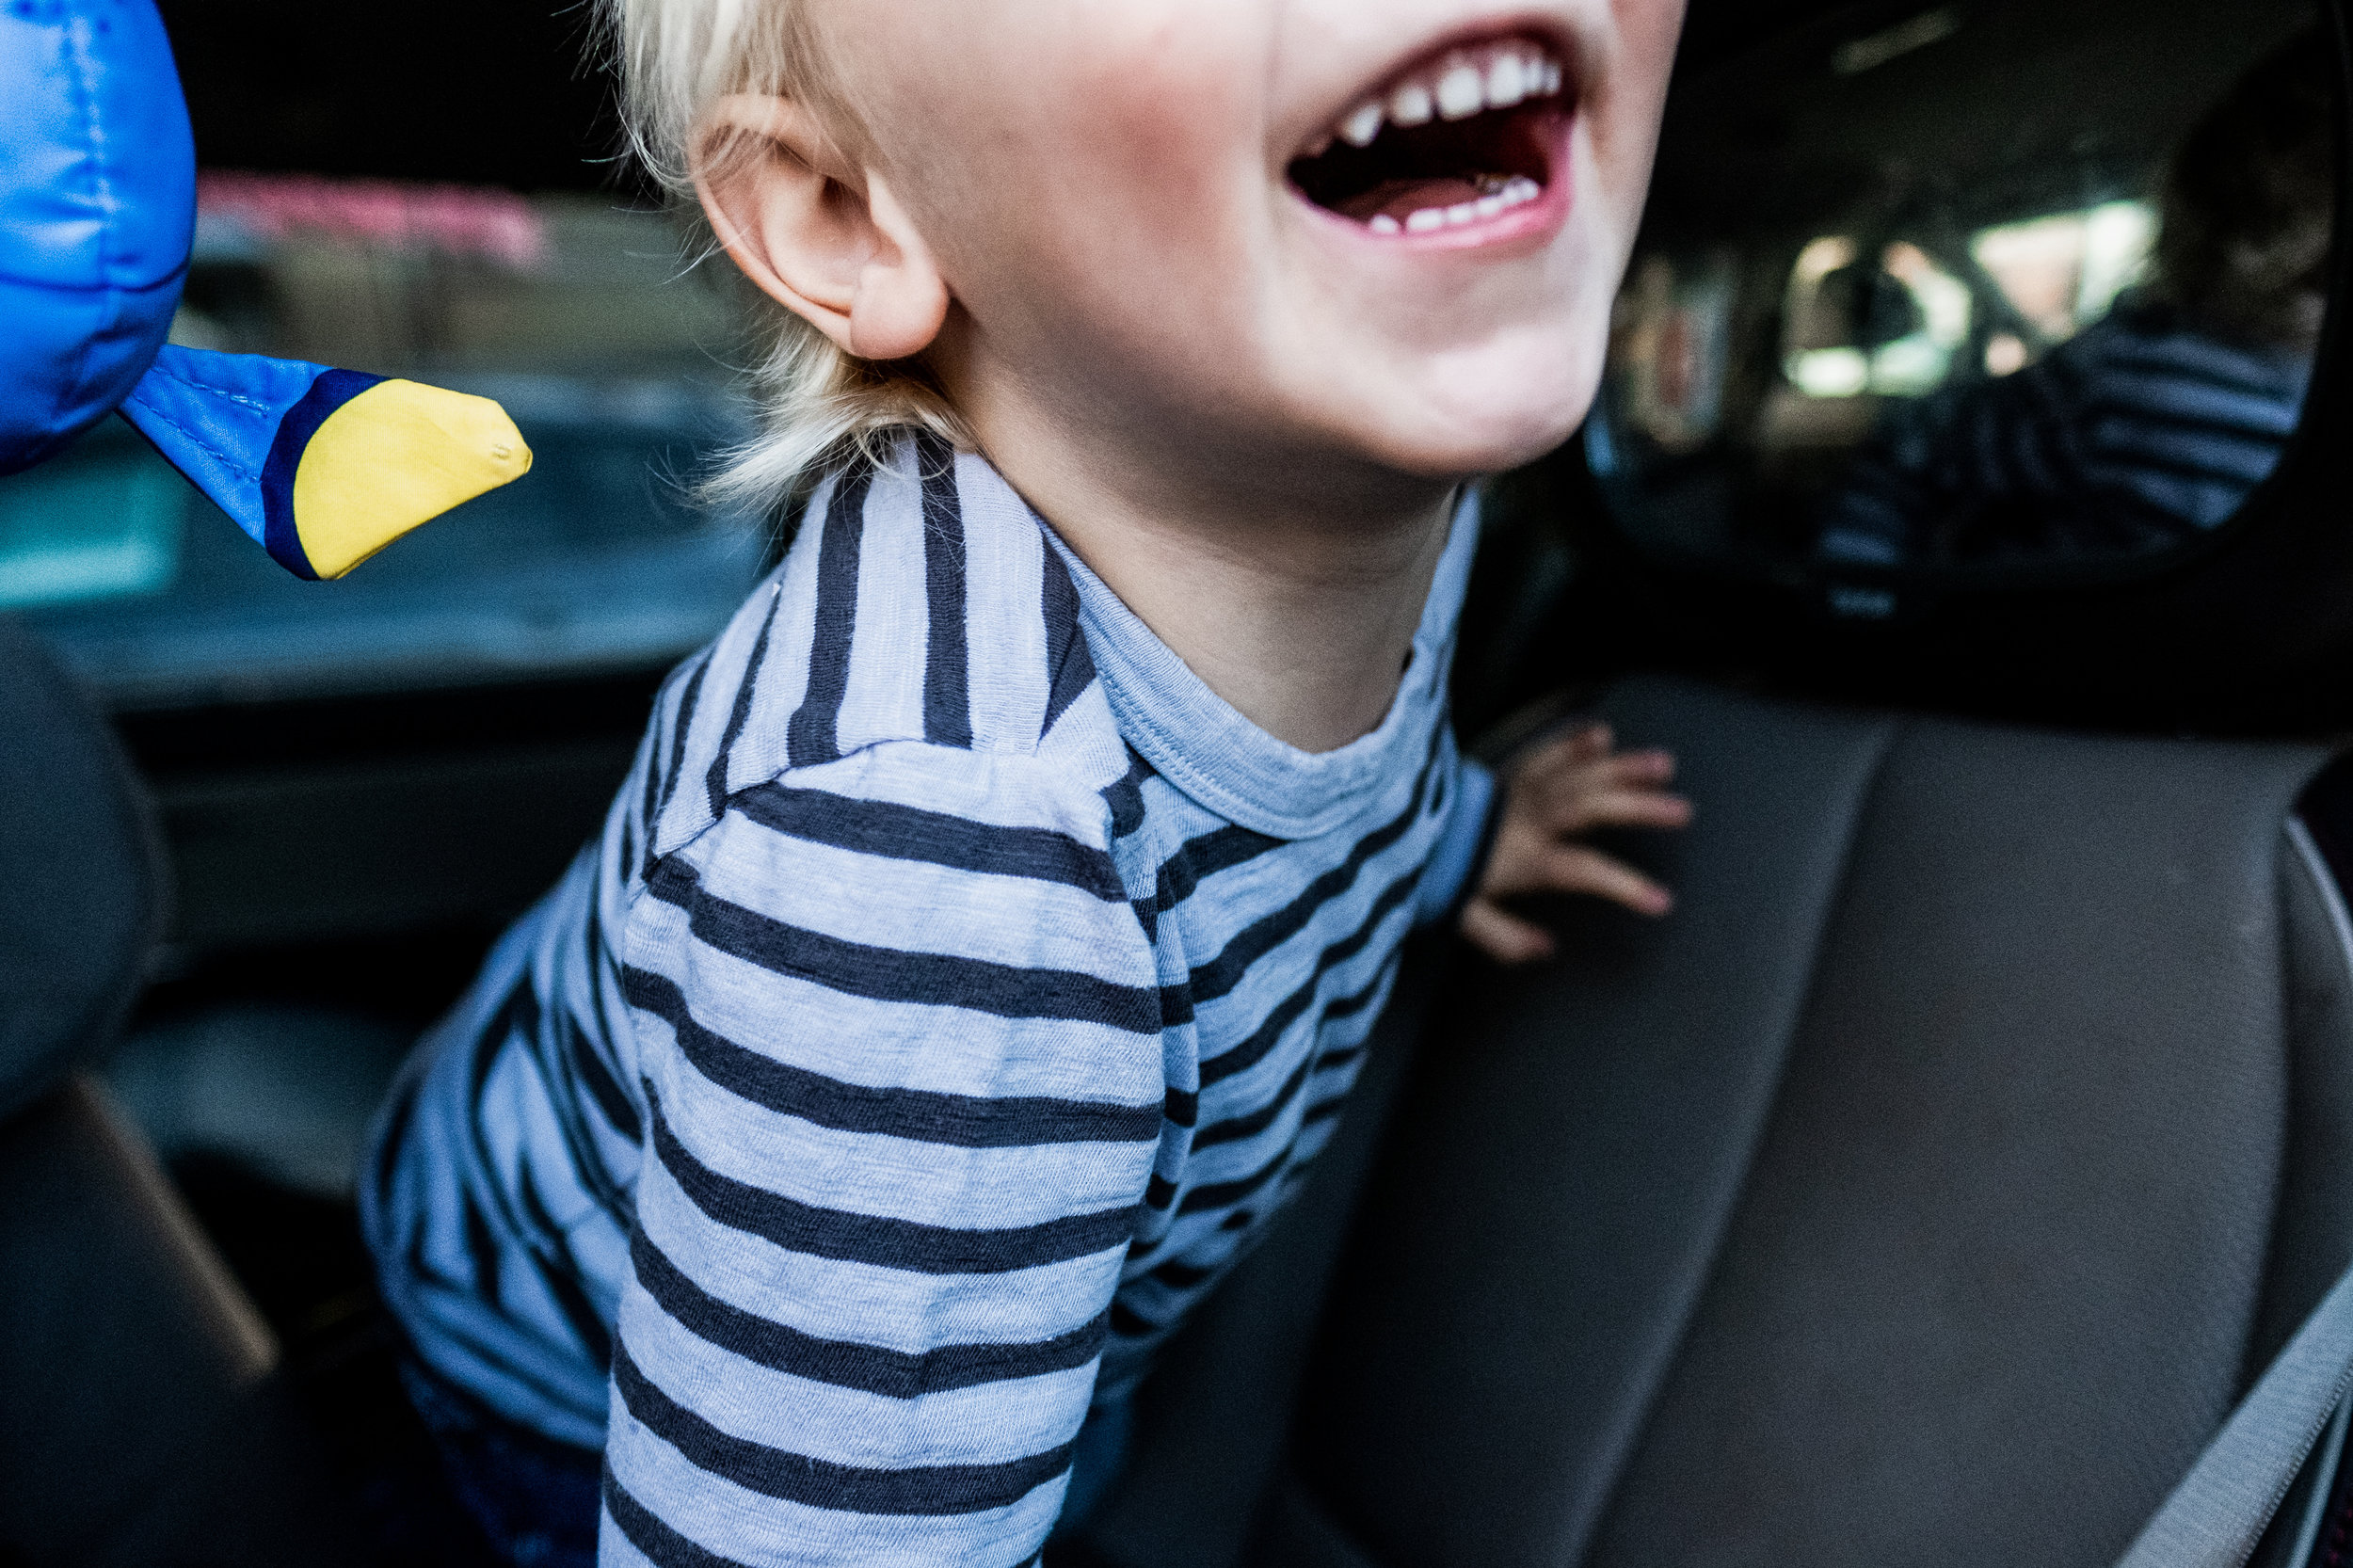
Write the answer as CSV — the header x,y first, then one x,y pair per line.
x,y
1487,435
1467,452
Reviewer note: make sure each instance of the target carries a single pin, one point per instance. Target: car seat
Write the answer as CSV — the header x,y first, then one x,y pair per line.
x,y
140,1421
1925,1191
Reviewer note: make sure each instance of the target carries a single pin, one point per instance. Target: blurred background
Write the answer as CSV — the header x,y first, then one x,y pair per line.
x,y
1993,286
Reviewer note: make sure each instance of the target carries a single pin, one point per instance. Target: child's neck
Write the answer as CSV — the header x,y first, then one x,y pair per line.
x,y
1297,603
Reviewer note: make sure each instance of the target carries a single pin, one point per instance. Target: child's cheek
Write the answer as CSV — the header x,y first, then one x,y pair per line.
x,y
1624,112
1169,145
1648,32
1157,177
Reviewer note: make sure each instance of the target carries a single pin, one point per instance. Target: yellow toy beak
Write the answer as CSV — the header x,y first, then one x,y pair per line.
x,y
396,456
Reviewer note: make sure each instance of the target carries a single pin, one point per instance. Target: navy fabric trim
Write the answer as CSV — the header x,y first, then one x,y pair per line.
x,y
559,1272
482,1255
1124,795
649,804
1203,856
517,1014
608,1027
812,734
550,1051
1180,1276
1221,973
577,1053
1323,1110
716,777
1131,1325
295,427
1066,652
1252,1049
963,1121
1217,1194
844,1363
894,975
929,1489
947,701
663,1546
680,724
879,1240
1237,1129
886,829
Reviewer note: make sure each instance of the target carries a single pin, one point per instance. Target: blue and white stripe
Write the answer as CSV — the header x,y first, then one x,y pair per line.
x,y
2139,433
955,988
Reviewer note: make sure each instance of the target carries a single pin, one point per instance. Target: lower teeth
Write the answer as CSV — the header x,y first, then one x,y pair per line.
x,y
1497,194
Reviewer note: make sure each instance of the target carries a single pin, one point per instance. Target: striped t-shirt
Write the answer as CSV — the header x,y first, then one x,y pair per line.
x,y
2137,435
956,986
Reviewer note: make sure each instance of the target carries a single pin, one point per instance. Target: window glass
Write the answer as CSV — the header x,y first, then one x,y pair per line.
x,y
1998,284
573,310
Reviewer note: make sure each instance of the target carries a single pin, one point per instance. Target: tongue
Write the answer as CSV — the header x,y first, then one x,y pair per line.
x,y
1398,199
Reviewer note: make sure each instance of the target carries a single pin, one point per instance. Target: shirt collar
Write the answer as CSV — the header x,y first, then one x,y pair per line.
x,y
1204,746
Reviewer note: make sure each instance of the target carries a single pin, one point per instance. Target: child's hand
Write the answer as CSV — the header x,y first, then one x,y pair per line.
x,y
1569,787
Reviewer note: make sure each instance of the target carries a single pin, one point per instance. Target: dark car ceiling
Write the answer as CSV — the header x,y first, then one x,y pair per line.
x,y
2023,109
495,92
481,93
512,94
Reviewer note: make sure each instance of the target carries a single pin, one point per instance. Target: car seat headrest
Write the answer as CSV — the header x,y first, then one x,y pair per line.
x,y
82,880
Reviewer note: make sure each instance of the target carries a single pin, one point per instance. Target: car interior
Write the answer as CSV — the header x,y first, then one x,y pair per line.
x,y
1930,1187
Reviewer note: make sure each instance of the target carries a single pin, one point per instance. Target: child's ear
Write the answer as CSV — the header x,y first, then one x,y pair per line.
x,y
827,240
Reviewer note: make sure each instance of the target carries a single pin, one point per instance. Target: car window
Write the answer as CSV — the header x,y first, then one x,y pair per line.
x,y
2001,285
575,310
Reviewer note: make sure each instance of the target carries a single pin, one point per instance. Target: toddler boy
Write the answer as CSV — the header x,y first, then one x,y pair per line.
x,y
988,932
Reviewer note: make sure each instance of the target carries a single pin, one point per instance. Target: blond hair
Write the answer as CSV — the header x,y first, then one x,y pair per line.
x,y
817,404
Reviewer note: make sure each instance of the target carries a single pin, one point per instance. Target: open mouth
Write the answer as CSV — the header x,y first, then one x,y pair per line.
x,y
1454,143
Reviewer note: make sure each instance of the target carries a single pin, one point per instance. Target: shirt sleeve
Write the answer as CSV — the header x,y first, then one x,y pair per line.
x,y
903,1087
1461,849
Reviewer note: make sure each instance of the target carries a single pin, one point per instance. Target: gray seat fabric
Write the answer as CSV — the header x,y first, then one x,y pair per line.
x,y
82,888
1923,1191
141,1421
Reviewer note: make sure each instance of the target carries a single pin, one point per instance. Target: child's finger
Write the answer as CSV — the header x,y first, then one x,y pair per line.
x,y
1646,767
1505,939
1578,869
1555,786
1564,754
1621,808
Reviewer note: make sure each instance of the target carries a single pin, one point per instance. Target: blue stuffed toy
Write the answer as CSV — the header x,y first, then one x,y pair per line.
x,y
322,467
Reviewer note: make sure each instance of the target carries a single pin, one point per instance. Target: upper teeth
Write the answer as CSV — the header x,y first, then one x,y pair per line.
x,y
1362,124
1455,86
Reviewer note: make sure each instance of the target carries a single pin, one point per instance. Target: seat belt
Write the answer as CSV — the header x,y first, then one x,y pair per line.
x,y
2216,1517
